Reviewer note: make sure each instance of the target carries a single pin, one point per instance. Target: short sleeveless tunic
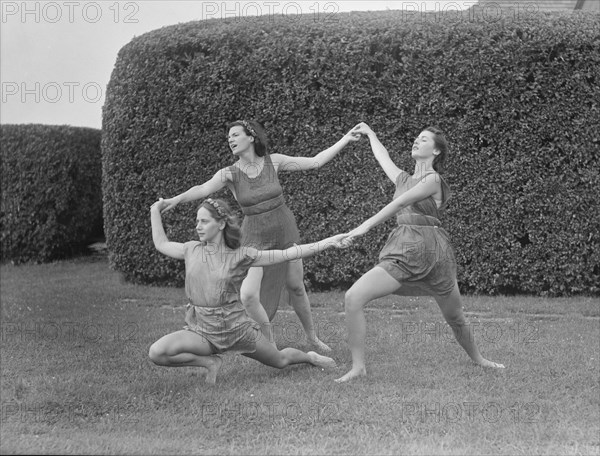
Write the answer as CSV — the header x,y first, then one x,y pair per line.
x,y
268,224
418,252
212,285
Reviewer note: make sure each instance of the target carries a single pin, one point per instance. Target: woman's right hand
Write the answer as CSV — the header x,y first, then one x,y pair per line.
x,y
362,129
158,205
352,136
169,204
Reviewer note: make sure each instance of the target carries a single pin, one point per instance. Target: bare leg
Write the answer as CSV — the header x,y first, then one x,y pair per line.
x,y
185,348
451,307
250,297
376,283
301,304
269,355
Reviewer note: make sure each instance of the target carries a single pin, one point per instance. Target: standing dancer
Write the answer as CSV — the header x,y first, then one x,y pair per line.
x,y
215,268
268,223
417,258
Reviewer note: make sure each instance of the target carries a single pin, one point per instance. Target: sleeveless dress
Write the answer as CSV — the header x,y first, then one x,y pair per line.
x,y
418,252
268,224
212,286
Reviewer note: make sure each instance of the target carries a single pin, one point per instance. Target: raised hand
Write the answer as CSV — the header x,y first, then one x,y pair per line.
x,y
168,204
352,135
362,129
160,205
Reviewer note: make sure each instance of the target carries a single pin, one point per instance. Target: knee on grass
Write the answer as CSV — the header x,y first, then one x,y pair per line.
x,y
156,355
279,361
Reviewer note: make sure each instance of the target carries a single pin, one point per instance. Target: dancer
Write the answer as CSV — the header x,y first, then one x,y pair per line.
x,y
418,258
268,223
216,320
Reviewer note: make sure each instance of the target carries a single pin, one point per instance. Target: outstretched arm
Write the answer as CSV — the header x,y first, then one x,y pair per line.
x,y
428,186
268,257
161,242
380,152
216,183
288,163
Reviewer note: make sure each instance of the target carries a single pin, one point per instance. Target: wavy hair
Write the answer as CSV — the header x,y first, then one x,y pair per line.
x,y
256,130
441,144
220,210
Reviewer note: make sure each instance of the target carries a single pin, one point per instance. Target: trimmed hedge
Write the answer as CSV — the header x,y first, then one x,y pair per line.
x,y
51,191
518,99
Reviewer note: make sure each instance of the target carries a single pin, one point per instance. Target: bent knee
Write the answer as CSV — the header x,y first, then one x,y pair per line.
x,y
455,320
296,288
353,301
155,354
280,362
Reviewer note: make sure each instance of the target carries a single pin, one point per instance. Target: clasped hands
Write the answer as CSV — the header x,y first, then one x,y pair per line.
x,y
159,205
358,131
345,240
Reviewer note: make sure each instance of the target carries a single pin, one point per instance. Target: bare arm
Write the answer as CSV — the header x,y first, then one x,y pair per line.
x,y
161,242
268,257
288,163
380,152
216,183
428,186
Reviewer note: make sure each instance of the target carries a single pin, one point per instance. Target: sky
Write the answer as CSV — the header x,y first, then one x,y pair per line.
x,y
56,57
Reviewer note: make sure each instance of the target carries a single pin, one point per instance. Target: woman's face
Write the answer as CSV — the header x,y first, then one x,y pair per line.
x,y
424,146
238,140
207,227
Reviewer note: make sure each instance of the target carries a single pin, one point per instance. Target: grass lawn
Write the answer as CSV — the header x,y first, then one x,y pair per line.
x,y
76,378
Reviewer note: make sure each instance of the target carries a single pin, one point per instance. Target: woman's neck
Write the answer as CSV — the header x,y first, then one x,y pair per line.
x,y
423,167
249,156
216,244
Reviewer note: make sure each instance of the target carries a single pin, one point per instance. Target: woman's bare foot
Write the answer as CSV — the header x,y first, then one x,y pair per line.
x,y
213,366
489,364
321,361
353,373
317,344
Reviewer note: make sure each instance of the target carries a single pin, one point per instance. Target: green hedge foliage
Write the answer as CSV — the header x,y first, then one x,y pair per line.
x,y
51,191
518,97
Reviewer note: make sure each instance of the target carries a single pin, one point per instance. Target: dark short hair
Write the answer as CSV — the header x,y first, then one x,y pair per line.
x,y
256,130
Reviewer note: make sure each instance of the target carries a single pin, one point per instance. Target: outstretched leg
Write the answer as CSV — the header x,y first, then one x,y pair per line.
x,y
301,304
185,348
267,354
250,297
451,307
374,284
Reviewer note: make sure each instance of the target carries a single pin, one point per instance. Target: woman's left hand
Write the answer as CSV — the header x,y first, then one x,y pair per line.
x,y
159,205
338,241
352,136
358,231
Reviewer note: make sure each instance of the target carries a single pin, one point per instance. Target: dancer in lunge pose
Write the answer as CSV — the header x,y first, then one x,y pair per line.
x,y
268,222
217,322
418,258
